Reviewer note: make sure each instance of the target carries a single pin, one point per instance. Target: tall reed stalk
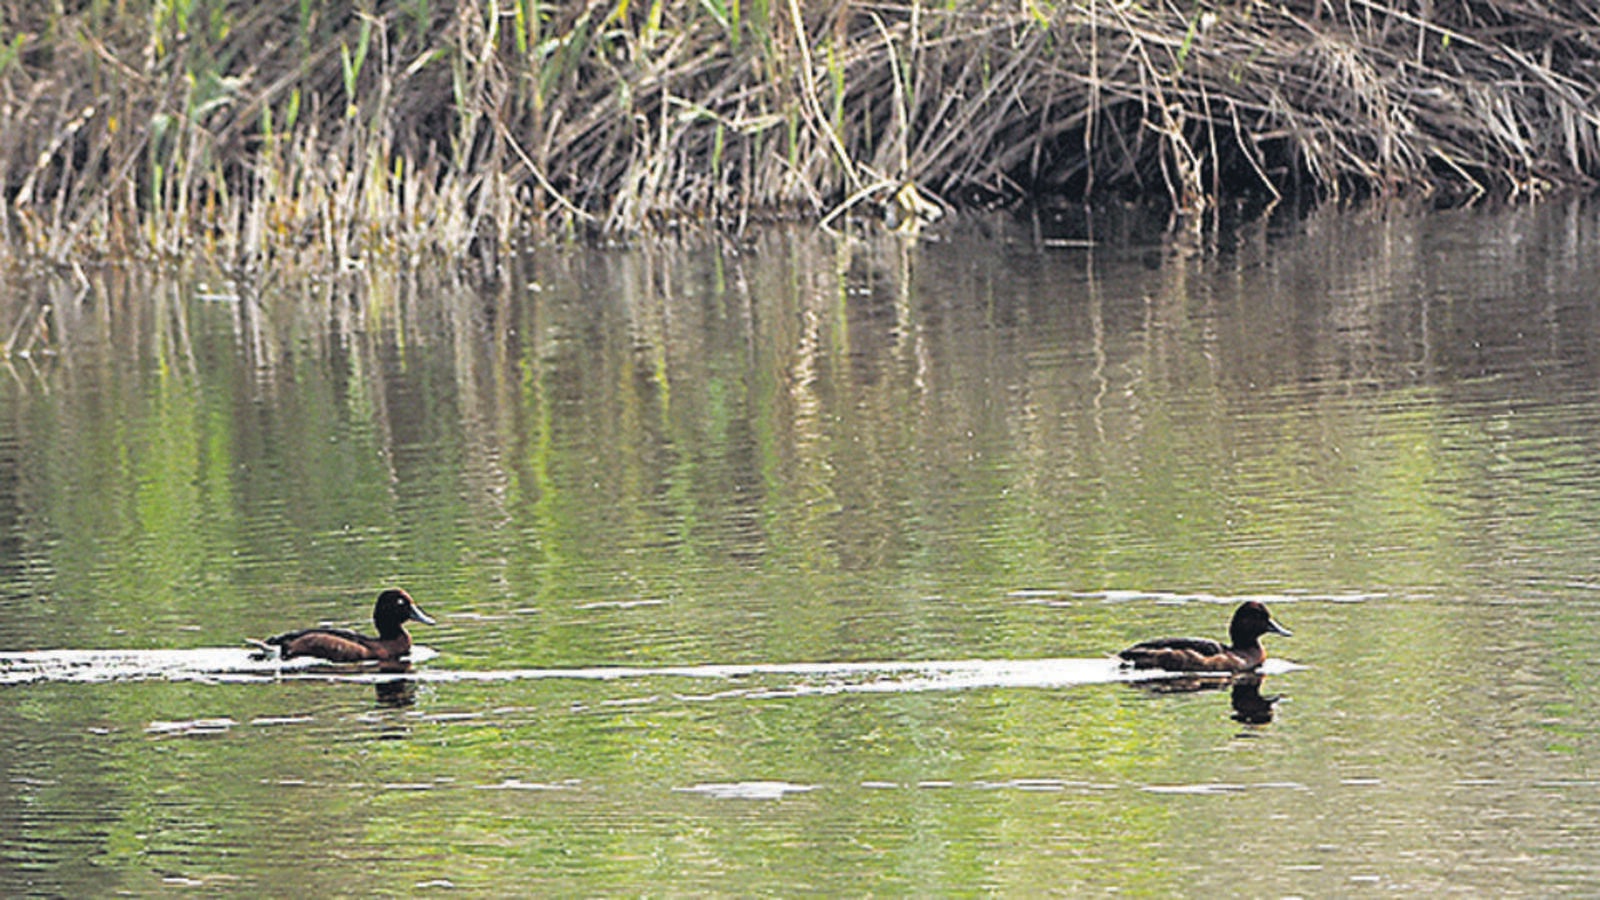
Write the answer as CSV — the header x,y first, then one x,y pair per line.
x,y
336,130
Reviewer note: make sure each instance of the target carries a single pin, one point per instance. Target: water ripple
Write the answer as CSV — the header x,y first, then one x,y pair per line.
x,y
229,665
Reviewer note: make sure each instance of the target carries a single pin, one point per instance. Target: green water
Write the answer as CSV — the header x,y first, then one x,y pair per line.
x,y
806,448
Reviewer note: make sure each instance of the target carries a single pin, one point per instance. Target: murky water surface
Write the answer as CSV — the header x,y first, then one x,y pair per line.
x,y
792,567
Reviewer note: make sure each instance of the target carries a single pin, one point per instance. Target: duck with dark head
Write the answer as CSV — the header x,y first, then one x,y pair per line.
x,y
393,609
1186,654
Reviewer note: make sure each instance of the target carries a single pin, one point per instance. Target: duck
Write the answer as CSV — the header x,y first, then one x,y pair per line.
x,y
393,609
1250,621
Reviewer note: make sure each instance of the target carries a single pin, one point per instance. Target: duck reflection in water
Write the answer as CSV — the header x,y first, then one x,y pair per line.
x,y
395,692
1250,706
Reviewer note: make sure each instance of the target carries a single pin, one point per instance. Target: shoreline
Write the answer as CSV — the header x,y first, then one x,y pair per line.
x,y
256,135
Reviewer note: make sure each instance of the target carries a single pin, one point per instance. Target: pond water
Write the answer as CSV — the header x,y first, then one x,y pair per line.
x,y
793,566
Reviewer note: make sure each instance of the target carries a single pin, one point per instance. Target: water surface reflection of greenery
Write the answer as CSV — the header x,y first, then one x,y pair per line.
x,y
810,448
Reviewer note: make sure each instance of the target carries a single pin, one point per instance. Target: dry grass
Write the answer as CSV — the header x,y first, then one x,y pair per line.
x,y
337,132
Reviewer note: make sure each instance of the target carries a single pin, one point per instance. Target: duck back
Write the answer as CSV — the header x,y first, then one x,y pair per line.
x,y
337,645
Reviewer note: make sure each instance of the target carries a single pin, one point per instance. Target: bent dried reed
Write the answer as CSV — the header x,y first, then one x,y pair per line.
x,y
333,131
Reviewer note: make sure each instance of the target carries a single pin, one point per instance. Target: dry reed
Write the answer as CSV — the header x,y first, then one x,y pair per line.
x,y
346,130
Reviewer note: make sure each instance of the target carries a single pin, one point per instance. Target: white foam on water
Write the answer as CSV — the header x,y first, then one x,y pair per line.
x,y
747,790
198,664
237,665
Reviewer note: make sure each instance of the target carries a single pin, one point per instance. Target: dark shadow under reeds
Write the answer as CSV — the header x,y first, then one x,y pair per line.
x,y
335,131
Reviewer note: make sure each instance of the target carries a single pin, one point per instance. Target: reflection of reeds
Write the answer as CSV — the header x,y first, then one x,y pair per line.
x,y
251,131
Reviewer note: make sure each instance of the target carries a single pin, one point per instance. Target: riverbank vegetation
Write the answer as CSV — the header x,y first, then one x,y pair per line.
x,y
346,129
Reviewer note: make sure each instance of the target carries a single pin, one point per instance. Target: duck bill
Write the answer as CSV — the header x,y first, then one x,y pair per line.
x,y
1279,629
420,616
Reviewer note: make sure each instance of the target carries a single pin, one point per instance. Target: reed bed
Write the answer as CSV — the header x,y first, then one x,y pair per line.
x,y
350,130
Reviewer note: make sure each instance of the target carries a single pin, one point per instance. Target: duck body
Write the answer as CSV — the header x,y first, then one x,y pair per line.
x,y
389,615
1187,654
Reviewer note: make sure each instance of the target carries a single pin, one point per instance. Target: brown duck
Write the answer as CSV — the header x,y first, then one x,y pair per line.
x,y
393,609
1184,654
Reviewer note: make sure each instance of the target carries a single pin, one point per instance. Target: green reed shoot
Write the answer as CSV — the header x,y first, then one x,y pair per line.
x,y
332,126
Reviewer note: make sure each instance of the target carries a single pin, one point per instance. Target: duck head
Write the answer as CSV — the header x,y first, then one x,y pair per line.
x,y
1250,621
393,609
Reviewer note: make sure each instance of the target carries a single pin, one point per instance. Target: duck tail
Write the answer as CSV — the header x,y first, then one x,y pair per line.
x,y
264,649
